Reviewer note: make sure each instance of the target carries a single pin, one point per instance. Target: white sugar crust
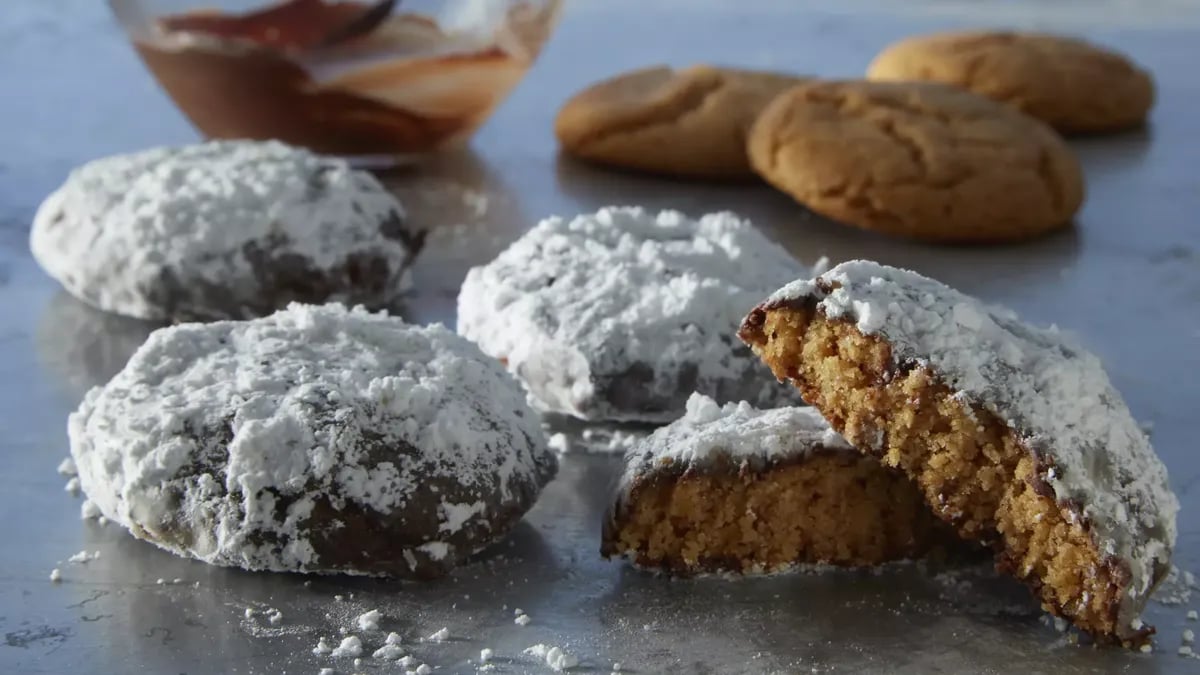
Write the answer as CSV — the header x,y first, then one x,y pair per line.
x,y
224,229
1053,393
736,432
219,441
622,313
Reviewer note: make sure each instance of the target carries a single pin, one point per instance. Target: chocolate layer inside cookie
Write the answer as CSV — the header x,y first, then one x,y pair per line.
x,y
971,467
832,507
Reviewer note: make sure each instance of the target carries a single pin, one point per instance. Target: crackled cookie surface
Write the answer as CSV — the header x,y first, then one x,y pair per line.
x,y
1013,433
317,439
736,489
1071,84
921,160
223,230
689,122
623,313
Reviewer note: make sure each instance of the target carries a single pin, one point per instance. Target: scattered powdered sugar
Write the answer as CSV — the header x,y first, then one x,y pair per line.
x,y
441,635
555,657
197,230
311,404
1051,391
1175,588
369,620
620,314
83,557
67,467
351,645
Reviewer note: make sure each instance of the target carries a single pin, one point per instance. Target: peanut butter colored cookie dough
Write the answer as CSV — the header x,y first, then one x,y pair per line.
x,y
1014,434
689,122
1072,85
736,489
921,160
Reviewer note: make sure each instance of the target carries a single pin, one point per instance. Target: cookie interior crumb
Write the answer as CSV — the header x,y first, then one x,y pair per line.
x,y
970,466
835,508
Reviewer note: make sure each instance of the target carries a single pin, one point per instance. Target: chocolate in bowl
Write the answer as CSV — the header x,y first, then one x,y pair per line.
x,y
408,87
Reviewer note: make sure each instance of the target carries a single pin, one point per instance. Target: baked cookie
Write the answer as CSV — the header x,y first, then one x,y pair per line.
x,y
620,315
735,489
229,229
689,122
1068,83
921,160
1013,433
318,439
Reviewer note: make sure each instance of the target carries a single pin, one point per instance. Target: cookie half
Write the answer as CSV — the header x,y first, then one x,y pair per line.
x,y
318,439
223,230
1013,433
736,489
920,160
1071,84
690,122
621,314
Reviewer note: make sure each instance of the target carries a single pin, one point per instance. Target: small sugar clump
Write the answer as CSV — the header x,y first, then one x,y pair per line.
x,y
555,657
369,620
55,575
440,636
350,646
388,652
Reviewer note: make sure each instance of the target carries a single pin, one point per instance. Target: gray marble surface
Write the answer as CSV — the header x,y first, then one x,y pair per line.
x,y
1127,279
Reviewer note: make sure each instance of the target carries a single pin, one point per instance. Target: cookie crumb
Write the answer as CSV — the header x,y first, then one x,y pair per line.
x,y
350,646
55,575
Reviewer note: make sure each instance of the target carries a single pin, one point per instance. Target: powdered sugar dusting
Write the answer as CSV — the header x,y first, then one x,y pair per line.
x,y
255,425
736,431
203,230
620,314
1050,390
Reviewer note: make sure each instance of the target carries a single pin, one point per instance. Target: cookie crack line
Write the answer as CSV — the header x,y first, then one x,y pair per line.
x,y
693,100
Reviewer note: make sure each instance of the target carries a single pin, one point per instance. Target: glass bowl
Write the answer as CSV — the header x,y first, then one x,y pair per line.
x,y
318,74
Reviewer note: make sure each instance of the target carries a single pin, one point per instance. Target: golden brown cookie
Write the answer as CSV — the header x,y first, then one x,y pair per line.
x,y
922,160
689,122
1073,85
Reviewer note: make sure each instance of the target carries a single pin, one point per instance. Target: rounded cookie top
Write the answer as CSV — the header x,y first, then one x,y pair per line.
x,y
621,314
226,229
922,160
688,122
708,432
1053,394
318,439
1072,85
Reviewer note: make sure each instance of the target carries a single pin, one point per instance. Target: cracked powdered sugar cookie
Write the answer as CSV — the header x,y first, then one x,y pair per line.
x,y
621,314
921,160
1071,84
1013,433
228,229
690,122
735,489
318,439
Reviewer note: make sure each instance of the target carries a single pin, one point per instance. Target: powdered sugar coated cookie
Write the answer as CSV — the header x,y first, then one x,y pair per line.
x,y
622,314
318,439
226,229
